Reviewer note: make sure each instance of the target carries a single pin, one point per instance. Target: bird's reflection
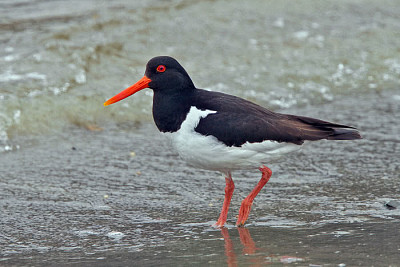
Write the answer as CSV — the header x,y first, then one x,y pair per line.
x,y
229,251
259,255
249,247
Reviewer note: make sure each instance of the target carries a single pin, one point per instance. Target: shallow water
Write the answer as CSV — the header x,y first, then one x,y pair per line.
x,y
120,196
81,184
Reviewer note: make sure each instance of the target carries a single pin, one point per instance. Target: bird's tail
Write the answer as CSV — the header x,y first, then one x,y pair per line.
x,y
314,129
344,134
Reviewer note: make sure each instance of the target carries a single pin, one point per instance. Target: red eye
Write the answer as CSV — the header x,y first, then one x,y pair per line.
x,y
161,68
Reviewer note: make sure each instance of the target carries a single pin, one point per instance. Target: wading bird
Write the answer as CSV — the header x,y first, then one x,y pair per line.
x,y
221,132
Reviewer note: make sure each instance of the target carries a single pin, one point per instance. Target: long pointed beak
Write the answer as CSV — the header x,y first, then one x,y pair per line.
x,y
139,85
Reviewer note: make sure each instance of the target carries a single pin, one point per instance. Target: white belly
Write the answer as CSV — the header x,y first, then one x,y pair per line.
x,y
207,152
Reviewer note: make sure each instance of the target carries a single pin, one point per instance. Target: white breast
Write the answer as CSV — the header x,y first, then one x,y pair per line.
x,y
207,152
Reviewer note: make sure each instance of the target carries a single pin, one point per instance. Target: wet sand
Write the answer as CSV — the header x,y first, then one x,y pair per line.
x,y
117,195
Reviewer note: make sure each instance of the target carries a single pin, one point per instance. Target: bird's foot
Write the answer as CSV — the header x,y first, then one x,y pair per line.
x,y
220,223
244,211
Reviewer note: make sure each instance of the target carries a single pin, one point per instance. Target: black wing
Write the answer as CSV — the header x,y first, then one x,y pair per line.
x,y
238,121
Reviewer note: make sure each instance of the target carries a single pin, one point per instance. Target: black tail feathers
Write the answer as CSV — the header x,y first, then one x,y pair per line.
x,y
327,130
344,134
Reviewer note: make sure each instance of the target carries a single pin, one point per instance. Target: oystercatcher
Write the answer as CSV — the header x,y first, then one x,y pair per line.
x,y
221,132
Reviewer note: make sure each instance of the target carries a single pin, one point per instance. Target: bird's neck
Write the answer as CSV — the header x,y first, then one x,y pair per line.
x,y
170,110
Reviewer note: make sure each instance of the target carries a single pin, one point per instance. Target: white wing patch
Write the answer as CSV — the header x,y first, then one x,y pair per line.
x,y
193,119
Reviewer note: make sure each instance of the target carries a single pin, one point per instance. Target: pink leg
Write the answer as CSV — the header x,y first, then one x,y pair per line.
x,y
248,201
229,187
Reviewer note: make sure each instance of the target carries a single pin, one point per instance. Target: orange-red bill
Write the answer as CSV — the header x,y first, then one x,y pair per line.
x,y
139,85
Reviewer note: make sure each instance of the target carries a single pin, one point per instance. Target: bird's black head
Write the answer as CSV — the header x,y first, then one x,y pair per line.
x,y
163,73
167,74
